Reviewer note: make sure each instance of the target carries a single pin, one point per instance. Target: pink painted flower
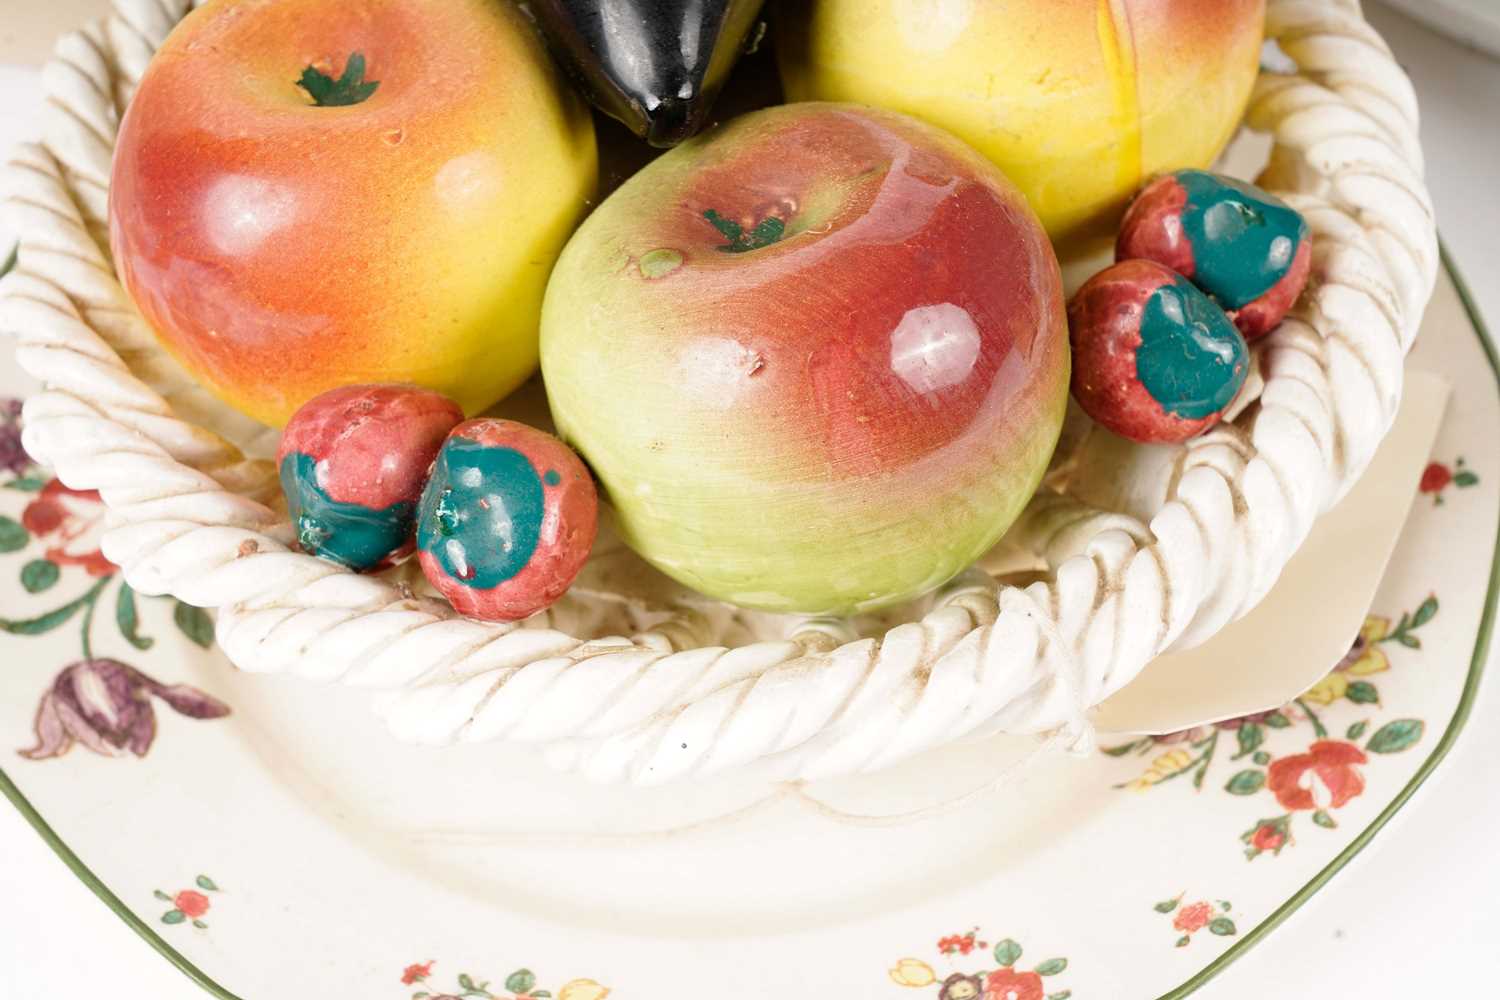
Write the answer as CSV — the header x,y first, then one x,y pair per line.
x,y
106,706
1191,919
415,973
1008,984
192,904
1267,838
1331,762
71,523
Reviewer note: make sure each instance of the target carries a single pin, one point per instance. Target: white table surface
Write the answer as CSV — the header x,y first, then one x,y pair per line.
x,y
1413,917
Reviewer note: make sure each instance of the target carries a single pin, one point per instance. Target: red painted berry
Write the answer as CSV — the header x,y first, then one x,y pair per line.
x,y
507,519
353,462
1154,360
1246,248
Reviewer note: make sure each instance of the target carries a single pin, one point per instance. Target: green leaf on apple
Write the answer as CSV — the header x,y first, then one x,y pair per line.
x,y
349,89
769,230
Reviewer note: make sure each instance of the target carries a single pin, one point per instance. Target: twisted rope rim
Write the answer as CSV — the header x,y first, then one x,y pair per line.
x,y
1147,549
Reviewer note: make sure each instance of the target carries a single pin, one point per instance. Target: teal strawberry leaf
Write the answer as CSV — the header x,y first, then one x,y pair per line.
x,y
173,917
520,981
1246,782
1323,819
1277,721
1007,953
1051,967
349,89
26,484
1362,693
1165,906
204,882
1250,737
1222,926
1356,731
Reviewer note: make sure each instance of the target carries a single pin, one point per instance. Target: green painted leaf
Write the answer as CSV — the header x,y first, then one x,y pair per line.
x,y
1321,818
541,993
1122,749
195,624
1357,730
200,925
466,981
1261,757
1064,995
38,575
173,917
13,537
1246,782
10,261
1425,611
1250,736
419,995
1221,926
1165,906
1277,721
1362,693
204,882
1184,941
350,88
44,623
26,484
161,895
1051,967
1465,478
520,981
128,620
1224,905
1007,952
1409,641
1393,737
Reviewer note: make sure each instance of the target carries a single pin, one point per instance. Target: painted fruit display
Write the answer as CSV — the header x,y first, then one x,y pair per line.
x,y
817,357
313,193
1154,359
1248,249
353,462
1079,101
507,519
655,65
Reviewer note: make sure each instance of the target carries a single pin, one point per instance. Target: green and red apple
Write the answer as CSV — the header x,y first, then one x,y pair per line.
x,y
816,357
315,193
1079,101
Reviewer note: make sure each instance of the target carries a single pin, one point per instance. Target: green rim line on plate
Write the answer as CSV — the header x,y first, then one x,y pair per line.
x,y
1450,734
1208,972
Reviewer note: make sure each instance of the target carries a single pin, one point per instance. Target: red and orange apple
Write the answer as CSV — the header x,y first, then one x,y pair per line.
x,y
817,357
313,193
1078,101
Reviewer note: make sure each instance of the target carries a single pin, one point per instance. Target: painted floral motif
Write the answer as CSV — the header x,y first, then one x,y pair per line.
x,y
1191,918
1318,777
106,706
101,703
519,985
1437,477
189,904
1004,983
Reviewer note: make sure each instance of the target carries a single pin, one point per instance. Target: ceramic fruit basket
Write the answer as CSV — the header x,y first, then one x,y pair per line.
x,y
1124,553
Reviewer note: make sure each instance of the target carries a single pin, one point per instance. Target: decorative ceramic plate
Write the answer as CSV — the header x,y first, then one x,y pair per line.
x,y
260,832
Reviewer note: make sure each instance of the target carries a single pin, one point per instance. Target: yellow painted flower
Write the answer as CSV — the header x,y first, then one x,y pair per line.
x,y
1368,657
1161,768
1328,690
909,972
582,989
1364,658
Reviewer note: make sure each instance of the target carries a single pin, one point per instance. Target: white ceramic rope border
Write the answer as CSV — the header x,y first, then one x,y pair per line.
x,y
1202,533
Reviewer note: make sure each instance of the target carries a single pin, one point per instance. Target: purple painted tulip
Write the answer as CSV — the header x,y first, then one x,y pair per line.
x,y
106,706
